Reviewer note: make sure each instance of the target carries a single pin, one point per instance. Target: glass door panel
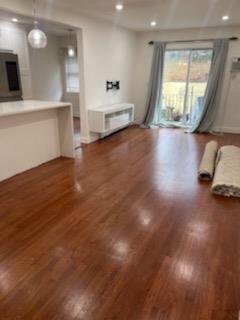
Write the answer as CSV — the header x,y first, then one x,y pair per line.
x,y
185,80
174,85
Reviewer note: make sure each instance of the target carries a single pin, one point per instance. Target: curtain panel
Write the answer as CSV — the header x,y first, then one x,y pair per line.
x,y
155,84
214,87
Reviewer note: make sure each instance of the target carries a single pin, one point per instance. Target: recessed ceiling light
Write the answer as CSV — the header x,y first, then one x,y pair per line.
x,y
153,23
14,20
224,18
119,6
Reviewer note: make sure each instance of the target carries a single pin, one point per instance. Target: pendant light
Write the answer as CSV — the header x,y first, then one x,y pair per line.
x,y
71,48
36,37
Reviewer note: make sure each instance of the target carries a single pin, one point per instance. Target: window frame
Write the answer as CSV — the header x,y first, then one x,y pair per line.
x,y
68,74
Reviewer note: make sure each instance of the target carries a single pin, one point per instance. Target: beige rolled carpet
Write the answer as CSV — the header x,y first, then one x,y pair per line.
x,y
207,166
226,180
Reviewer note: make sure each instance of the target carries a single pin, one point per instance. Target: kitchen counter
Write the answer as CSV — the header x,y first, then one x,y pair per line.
x,y
27,106
34,132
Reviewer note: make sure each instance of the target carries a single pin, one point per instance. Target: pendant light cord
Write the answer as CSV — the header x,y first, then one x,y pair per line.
x,y
34,11
70,37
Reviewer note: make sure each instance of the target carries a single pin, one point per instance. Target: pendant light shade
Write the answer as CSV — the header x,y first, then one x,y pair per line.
x,y
37,38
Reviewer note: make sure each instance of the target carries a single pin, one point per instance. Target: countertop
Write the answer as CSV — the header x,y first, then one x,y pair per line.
x,y
26,106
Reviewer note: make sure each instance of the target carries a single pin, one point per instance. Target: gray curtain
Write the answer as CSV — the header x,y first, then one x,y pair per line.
x,y
155,84
214,87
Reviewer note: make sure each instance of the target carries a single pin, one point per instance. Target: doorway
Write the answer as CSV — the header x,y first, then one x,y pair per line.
x,y
71,81
185,80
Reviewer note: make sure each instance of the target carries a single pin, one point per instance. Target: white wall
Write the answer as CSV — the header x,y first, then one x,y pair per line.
x,y
228,117
13,37
109,55
107,52
46,71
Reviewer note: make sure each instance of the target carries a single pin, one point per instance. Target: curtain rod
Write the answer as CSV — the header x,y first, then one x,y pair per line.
x,y
200,40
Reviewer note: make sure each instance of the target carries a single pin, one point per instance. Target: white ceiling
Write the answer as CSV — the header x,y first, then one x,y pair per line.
x,y
56,29
169,14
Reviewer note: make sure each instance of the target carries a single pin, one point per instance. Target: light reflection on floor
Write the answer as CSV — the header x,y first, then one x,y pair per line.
x,y
184,270
121,249
78,305
144,216
4,280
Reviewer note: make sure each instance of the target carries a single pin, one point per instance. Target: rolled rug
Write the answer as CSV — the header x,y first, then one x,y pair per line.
x,y
207,166
226,180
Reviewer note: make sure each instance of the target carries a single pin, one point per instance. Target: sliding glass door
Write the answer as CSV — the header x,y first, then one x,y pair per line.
x,y
185,80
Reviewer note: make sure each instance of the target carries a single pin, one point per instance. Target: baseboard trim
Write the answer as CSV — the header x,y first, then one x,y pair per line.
x,y
227,130
85,140
88,140
137,122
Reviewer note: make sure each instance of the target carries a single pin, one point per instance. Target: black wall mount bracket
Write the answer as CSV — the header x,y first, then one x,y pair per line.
x,y
112,85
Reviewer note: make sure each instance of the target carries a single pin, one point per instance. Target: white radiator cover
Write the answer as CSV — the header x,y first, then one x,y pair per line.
x,y
105,119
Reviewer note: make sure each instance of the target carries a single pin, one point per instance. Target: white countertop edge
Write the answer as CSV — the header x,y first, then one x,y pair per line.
x,y
112,107
28,106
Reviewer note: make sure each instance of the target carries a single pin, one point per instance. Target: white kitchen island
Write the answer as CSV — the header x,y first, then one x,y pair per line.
x,y
32,133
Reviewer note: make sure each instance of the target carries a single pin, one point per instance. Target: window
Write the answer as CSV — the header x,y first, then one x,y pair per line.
x,y
72,74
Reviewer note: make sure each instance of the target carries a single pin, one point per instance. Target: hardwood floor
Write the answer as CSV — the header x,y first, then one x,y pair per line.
x,y
124,232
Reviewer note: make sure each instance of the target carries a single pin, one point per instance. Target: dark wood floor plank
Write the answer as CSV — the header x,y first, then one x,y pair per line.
x,y
126,231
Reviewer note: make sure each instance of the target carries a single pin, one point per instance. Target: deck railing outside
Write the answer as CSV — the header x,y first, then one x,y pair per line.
x,y
174,109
